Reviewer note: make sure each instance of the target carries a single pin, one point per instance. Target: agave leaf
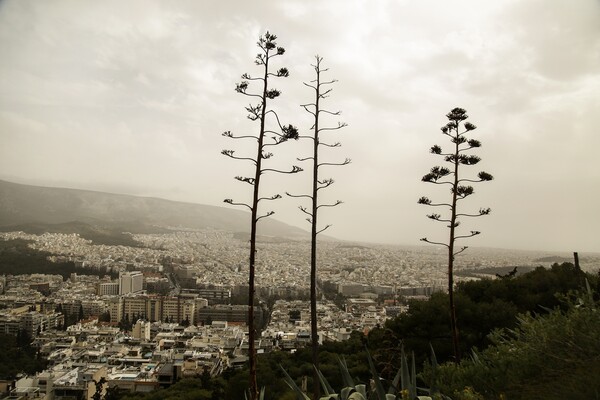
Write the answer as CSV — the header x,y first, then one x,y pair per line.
x,y
390,396
434,367
394,388
346,378
412,391
475,357
424,390
290,382
261,395
356,396
590,294
405,375
362,389
378,386
345,393
548,310
324,384
434,362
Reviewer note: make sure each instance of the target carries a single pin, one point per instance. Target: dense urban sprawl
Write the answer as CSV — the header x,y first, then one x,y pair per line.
x,y
173,313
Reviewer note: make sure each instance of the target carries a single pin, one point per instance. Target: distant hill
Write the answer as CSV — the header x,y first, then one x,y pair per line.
x,y
37,209
494,271
553,259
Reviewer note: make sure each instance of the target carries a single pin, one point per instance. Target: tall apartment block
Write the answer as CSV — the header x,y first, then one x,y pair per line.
x,y
130,282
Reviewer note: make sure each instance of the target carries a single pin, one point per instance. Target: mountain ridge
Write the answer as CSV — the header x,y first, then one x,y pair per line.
x,y
37,207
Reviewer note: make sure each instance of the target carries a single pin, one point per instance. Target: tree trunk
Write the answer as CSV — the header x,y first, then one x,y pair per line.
x,y
251,290
453,322
313,252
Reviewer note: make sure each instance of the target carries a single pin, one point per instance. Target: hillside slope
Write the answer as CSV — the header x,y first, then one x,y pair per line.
x,y
34,208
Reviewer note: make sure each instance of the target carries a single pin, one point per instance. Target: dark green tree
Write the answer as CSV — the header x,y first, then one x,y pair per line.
x,y
80,314
460,189
17,355
99,388
113,393
104,317
321,90
258,112
125,324
294,315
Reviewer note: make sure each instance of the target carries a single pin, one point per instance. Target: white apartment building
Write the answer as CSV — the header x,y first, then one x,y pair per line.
x,y
154,308
131,282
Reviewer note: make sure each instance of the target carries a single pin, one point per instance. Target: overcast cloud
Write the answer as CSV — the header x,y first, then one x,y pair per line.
x,y
132,97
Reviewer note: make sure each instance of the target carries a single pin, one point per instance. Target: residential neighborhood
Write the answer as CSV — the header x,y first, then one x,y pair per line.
x,y
175,306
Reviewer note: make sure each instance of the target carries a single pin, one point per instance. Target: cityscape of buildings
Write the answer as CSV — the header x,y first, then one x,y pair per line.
x,y
176,305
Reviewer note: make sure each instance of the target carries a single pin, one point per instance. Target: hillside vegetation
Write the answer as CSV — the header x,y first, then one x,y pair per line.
x,y
17,258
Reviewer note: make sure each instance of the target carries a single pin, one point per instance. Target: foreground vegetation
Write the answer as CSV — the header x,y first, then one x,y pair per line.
x,y
551,355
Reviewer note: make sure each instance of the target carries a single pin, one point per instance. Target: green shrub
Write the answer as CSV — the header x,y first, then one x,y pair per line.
x,y
553,355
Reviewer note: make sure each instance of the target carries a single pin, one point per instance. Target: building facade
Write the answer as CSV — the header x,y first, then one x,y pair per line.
x,y
131,282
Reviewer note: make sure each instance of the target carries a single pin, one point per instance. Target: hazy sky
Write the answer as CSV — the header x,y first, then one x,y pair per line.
x,y
132,97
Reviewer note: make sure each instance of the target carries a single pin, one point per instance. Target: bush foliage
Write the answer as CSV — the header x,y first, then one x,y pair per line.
x,y
550,355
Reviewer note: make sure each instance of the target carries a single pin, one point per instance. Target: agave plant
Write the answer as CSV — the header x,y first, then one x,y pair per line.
x,y
403,386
